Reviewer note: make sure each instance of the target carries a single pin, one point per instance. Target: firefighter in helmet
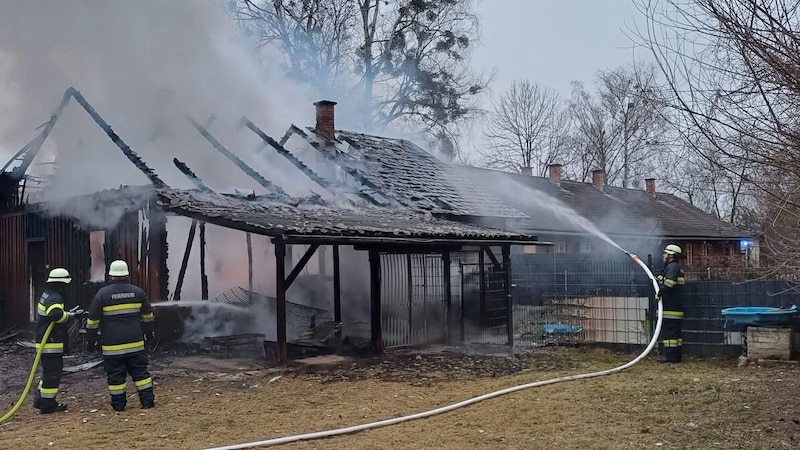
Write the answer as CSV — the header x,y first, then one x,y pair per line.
x,y
671,286
124,316
51,309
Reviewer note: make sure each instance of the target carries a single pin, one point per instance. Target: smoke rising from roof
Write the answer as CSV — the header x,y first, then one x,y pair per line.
x,y
142,65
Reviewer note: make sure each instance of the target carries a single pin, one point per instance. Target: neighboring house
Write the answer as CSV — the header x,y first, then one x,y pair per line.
x,y
641,221
408,228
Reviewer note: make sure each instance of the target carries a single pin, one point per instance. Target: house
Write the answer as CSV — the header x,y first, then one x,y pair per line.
x,y
641,221
403,246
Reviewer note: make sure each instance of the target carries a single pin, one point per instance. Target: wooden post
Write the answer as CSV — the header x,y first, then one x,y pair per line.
x,y
448,295
185,261
203,277
506,249
375,300
249,262
337,286
280,291
410,287
482,288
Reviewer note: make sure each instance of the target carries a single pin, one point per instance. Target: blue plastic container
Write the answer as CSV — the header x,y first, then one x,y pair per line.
x,y
758,315
557,328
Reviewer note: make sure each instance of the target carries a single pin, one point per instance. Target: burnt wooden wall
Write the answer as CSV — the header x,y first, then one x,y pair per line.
x,y
31,245
14,292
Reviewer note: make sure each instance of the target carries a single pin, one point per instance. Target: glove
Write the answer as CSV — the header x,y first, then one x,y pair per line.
x,y
91,346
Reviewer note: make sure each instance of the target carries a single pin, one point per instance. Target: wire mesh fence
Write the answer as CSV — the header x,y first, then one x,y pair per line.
x,y
563,298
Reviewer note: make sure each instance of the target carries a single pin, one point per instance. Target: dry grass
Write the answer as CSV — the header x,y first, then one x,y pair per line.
x,y
698,404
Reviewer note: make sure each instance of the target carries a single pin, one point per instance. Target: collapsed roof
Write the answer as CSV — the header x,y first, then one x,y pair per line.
x,y
399,192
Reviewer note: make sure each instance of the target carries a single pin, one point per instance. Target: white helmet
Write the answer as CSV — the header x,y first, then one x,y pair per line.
x,y
59,275
673,249
118,268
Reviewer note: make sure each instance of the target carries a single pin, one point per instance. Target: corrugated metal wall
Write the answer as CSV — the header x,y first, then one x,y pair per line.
x,y
14,296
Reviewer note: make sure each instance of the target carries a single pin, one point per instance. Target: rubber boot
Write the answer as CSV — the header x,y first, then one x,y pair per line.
x,y
661,353
118,402
147,398
56,407
37,399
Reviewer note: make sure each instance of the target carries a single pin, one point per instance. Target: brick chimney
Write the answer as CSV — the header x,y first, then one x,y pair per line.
x,y
325,124
650,186
554,172
527,170
598,179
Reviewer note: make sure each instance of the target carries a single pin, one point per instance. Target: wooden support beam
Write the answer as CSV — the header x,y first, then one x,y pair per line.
x,y
448,295
375,301
493,258
337,286
249,262
280,291
410,289
203,276
185,261
301,264
482,289
506,249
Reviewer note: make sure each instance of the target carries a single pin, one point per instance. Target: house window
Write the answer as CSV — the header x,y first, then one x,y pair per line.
x,y
528,249
560,247
586,247
688,251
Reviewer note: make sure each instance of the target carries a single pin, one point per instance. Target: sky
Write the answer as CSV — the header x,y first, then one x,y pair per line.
x,y
553,42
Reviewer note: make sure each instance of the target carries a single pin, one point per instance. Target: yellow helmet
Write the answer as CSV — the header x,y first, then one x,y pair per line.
x,y
673,249
59,275
118,268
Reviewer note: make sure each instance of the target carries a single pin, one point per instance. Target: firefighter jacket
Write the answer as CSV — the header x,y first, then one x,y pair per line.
x,y
122,313
672,284
50,308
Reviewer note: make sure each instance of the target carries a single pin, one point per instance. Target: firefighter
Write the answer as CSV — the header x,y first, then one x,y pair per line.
x,y
51,309
671,283
124,316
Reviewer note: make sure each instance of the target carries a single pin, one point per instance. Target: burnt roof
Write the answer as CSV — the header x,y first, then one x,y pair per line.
x,y
279,219
615,211
418,180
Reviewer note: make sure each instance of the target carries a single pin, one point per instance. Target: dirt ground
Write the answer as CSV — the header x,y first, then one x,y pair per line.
x,y
205,401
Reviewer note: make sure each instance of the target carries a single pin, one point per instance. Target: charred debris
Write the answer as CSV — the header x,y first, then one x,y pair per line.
x,y
390,199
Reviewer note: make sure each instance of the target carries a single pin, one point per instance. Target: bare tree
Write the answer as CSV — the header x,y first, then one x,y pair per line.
x,y
619,127
407,61
526,130
731,66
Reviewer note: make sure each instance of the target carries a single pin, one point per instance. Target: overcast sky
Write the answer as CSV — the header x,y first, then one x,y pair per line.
x,y
553,42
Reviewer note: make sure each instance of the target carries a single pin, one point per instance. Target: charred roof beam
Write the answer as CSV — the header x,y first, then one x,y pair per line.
x,y
266,184
199,184
347,168
278,146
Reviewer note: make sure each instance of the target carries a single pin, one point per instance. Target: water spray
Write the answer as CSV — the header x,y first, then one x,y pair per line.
x,y
454,406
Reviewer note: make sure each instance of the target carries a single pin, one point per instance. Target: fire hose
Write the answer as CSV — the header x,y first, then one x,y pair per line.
x,y
454,406
31,376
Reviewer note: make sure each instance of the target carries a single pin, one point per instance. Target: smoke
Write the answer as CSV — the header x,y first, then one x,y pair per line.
x,y
620,226
142,65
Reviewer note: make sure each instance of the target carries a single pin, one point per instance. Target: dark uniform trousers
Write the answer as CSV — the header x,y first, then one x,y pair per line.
x,y
117,369
671,342
45,395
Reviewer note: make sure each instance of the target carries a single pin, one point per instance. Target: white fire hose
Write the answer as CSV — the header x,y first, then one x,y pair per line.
x,y
454,406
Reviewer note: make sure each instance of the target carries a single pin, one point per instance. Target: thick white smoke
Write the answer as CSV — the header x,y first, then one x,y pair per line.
x,y
142,65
